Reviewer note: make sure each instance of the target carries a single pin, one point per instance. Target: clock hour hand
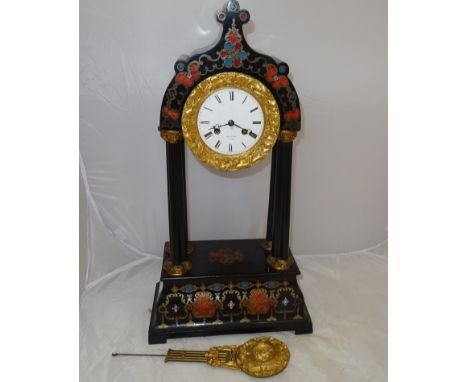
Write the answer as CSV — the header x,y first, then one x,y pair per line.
x,y
216,128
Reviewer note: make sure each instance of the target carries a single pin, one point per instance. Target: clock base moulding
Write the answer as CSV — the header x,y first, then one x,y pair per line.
x,y
231,288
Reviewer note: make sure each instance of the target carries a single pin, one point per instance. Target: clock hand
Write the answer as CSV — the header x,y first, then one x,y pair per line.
x,y
216,128
244,131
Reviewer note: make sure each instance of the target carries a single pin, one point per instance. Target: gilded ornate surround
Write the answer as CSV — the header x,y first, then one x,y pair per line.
x,y
232,80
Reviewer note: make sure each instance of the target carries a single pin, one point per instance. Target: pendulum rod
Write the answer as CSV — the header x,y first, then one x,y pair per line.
x,y
186,356
137,355
173,355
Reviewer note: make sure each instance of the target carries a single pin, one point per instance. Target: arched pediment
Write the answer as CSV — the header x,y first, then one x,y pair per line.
x,y
231,53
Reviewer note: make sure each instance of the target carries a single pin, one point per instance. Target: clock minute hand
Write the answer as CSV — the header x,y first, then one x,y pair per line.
x,y
235,124
245,131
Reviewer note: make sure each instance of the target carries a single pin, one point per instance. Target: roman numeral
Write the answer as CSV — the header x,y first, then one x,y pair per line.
x,y
208,134
243,144
257,122
244,100
230,148
255,108
205,122
207,108
252,134
217,98
217,144
231,96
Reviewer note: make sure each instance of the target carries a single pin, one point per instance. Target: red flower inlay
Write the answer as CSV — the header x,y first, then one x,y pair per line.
x,y
232,37
224,53
182,78
171,113
258,303
203,307
282,81
292,115
275,80
187,78
195,74
237,63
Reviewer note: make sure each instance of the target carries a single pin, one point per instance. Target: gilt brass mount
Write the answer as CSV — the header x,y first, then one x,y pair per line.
x,y
280,264
177,270
171,136
267,245
287,136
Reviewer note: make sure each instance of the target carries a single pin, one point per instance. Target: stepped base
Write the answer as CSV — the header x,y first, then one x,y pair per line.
x,y
230,289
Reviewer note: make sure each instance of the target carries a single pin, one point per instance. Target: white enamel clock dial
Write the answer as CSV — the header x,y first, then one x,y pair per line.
x,y
230,121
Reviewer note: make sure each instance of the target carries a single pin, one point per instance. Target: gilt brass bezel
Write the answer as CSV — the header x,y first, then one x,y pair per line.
x,y
264,143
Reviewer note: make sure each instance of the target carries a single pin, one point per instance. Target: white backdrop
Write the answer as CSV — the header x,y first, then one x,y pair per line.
x,y
337,54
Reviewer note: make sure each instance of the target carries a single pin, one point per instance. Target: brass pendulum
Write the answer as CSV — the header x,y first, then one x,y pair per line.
x,y
258,357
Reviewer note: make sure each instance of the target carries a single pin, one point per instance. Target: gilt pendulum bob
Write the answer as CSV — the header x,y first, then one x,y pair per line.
x,y
231,106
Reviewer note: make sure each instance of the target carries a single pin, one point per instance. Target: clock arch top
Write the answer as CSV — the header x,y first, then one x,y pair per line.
x,y
231,53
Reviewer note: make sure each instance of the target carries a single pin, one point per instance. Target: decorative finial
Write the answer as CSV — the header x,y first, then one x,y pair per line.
x,y
233,6
232,10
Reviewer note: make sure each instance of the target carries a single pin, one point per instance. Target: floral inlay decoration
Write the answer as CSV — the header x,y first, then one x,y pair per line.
x,y
226,256
233,52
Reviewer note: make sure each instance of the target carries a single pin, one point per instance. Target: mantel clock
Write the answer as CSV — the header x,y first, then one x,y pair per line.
x,y
232,106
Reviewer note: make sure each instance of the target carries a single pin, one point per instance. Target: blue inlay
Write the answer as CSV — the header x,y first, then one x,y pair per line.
x,y
228,46
228,62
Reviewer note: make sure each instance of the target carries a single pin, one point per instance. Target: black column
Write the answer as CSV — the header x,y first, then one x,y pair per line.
x,y
271,200
175,158
282,200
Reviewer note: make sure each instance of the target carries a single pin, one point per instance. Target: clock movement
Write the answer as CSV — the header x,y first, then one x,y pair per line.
x,y
231,106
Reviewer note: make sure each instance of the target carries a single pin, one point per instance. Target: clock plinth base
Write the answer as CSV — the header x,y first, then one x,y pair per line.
x,y
230,289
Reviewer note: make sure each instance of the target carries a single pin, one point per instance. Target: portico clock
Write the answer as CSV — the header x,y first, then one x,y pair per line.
x,y
231,106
